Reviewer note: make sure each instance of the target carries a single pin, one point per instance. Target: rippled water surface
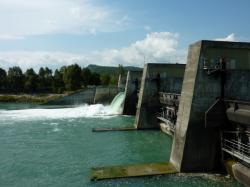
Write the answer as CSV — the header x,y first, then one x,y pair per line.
x,y
56,147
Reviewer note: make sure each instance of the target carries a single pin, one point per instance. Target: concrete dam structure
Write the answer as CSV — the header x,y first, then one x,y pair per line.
x,y
215,73
156,78
105,94
91,95
122,82
85,96
214,112
132,87
209,105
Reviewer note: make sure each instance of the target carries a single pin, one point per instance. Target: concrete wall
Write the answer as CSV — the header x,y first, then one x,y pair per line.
x,y
93,95
77,98
105,94
170,76
241,173
133,83
195,147
122,82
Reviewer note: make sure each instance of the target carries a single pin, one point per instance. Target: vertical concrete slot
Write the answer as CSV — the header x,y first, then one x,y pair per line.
x,y
132,87
156,78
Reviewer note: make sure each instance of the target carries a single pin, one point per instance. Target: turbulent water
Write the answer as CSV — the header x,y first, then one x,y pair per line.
x,y
56,147
118,103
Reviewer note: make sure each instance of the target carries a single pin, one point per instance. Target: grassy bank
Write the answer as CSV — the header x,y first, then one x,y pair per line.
x,y
25,98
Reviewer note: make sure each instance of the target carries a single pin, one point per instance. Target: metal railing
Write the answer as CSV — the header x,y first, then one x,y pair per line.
x,y
169,98
237,149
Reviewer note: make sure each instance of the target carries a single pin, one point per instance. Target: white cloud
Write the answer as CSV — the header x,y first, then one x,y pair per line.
x,y
156,47
229,38
11,37
20,18
28,59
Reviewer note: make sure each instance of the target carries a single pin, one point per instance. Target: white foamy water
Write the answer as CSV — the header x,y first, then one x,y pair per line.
x,y
88,111
118,103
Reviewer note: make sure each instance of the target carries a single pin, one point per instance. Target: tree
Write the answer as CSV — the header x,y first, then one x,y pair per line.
x,y
105,79
114,80
72,77
48,76
121,70
41,72
58,84
15,79
41,80
30,84
86,76
3,80
95,79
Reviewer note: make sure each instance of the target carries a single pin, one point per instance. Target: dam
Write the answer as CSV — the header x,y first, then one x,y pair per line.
x,y
206,105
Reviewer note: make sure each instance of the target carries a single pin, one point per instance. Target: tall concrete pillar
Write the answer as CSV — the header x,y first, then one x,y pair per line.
x,y
133,83
105,94
122,82
156,78
196,147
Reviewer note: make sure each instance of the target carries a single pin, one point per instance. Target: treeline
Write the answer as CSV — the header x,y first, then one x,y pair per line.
x,y
67,78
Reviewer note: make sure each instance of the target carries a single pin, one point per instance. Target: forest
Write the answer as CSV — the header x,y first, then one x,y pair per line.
x,y
66,78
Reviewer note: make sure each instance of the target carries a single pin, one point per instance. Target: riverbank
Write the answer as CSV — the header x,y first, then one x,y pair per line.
x,y
27,98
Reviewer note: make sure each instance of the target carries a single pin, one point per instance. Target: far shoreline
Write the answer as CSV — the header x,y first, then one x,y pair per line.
x,y
38,98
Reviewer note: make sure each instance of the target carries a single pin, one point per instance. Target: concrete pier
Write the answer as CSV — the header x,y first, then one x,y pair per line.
x,y
122,82
241,173
133,84
105,94
196,146
136,170
156,78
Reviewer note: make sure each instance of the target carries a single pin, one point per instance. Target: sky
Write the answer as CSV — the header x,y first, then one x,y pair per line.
x,y
54,33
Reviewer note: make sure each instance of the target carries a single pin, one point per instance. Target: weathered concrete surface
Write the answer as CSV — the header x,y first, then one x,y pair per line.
x,y
132,171
229,166
89,96
122,82
156,78
196,147
133,83
77,98
105,94
241,173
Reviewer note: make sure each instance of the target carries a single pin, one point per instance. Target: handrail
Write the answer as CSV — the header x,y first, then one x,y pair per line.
x,y
241,147
236,132
237,143
242,144
168,93
237,149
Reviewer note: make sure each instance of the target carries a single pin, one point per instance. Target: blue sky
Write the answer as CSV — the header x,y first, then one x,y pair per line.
x,y
110,32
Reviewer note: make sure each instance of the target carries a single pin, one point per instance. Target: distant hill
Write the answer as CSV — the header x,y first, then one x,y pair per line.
x,y
110,69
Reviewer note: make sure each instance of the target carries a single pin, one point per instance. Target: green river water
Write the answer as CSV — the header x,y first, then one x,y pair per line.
x,y
56,147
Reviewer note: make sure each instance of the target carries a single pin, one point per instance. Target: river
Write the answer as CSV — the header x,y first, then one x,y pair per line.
x,y
48,146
